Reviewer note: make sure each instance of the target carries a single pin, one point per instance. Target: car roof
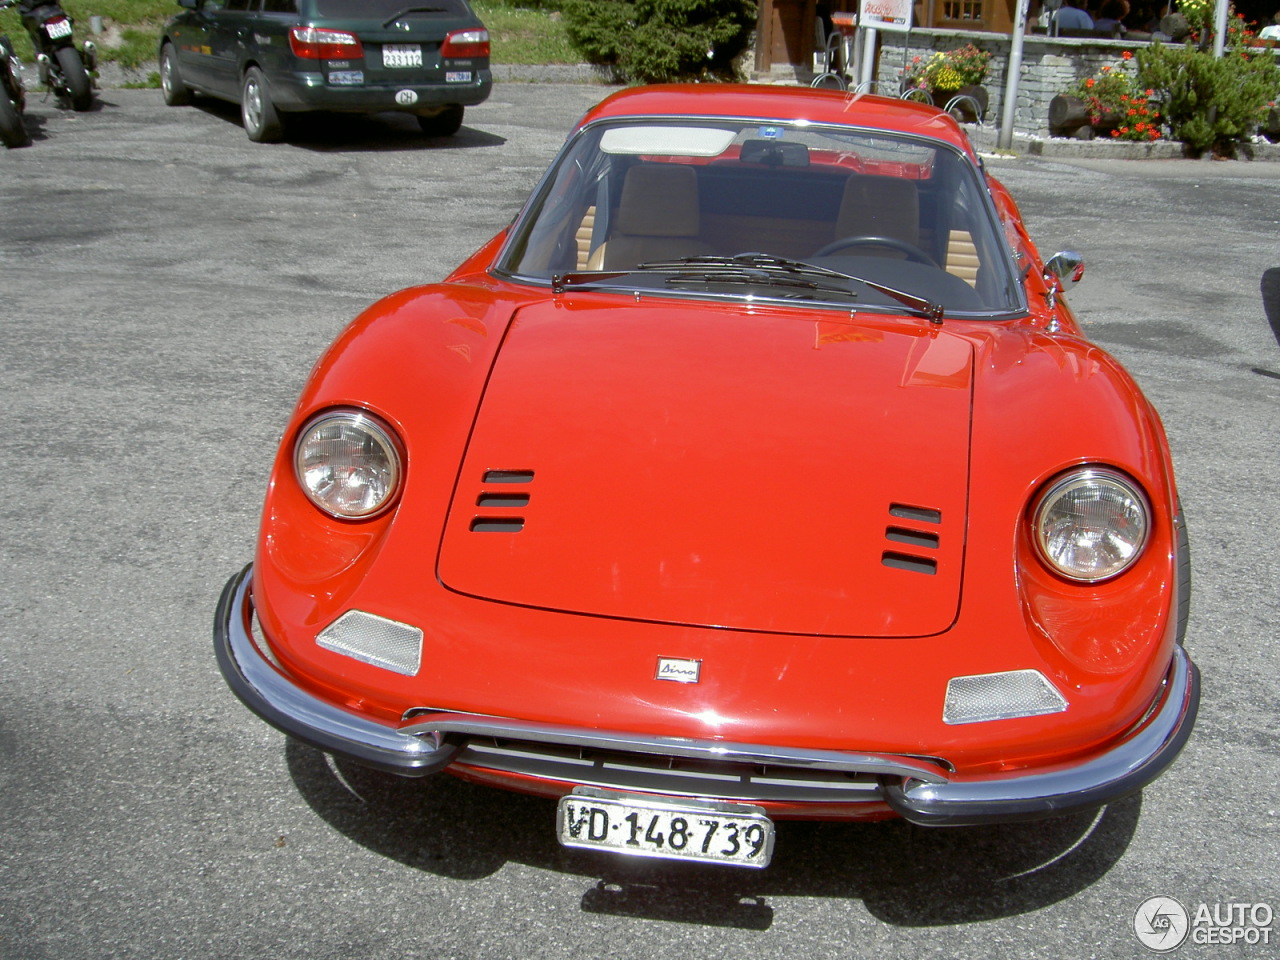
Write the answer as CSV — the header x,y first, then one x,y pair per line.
x,y
761,102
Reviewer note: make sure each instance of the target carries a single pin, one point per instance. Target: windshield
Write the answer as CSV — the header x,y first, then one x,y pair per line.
x,y
658,204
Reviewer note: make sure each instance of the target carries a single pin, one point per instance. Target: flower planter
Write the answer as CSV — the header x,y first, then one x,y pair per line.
x,y
1069,117
1271,125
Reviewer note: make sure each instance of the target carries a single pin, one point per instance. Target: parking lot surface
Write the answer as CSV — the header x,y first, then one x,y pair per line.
x,y
165,286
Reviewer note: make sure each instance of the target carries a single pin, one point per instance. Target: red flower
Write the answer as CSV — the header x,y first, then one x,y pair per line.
x,y
1127,55
1115,133
1089,82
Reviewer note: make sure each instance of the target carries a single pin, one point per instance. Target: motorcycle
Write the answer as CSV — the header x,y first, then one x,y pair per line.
x,y
13,131
61,66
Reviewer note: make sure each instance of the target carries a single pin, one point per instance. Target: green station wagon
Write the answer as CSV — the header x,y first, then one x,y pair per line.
x,y
276,57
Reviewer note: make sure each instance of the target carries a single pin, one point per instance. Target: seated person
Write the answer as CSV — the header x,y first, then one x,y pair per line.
x,y
1072,16
1111,16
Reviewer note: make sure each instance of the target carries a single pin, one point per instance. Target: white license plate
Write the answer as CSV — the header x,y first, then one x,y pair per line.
x,y
641,825
399,55
57,29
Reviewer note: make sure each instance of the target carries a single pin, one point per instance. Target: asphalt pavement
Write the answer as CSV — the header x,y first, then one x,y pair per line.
x,y
165,286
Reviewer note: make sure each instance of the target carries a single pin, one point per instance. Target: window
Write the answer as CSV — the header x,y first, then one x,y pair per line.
x,y
962,10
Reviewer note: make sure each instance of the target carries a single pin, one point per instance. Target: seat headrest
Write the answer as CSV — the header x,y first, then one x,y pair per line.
x,y
659,200
879,207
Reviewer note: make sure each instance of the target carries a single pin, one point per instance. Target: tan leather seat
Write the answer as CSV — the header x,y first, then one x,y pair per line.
x,y
874,206
657,218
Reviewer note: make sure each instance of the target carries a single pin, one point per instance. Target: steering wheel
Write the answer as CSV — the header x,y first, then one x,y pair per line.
x,y
911,250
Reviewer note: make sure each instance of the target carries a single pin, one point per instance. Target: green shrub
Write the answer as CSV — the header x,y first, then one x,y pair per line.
x,y
1209,103
659,41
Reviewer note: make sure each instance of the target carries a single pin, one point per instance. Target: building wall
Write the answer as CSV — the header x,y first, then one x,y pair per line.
x,y
1049,66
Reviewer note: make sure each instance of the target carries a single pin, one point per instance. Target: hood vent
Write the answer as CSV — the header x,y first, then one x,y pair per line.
x,y
923,543
508,476
502,500
491,505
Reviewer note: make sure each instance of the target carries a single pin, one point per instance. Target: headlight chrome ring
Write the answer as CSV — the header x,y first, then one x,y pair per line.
x,y
1092,524
349,463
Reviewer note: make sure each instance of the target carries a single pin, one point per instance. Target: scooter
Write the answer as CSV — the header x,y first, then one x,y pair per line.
x,y
61,66
13,100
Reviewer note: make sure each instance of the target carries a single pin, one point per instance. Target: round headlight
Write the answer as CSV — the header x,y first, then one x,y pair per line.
x,y
348,464
1092,524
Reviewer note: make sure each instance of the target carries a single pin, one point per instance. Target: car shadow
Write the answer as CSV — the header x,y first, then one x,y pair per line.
x,y
357,133
905,875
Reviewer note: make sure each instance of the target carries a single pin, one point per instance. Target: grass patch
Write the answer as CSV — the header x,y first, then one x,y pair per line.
x,y
131,31
524,36
131,28
151,83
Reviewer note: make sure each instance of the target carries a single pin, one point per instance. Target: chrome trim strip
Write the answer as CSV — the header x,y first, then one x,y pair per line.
x,y
1122,770
500,728
274,698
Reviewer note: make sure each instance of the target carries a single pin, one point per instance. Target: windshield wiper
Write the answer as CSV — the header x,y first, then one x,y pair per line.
x,y
408,10
774,268
679,273
761,268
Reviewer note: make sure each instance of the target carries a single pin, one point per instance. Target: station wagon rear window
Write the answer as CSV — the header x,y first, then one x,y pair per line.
x,y
383,10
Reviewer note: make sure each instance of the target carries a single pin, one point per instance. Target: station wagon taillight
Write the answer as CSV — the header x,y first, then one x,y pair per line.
x,y
465,44
317,43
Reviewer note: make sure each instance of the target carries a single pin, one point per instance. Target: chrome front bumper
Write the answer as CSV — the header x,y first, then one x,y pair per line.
x,y
276,699
1125,768
918,789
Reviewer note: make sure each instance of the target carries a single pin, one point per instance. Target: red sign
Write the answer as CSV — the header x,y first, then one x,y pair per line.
x,y
885,14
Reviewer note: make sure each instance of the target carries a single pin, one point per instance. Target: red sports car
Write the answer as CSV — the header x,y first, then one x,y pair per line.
x,y
758,470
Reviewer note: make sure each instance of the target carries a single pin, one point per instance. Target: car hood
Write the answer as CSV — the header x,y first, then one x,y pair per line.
x,y
718,466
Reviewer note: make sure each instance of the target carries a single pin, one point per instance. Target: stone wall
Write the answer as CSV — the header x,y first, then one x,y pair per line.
x,y
1049,66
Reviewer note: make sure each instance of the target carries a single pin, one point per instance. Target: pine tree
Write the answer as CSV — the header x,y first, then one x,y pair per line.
x,y
1210,103
659,41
